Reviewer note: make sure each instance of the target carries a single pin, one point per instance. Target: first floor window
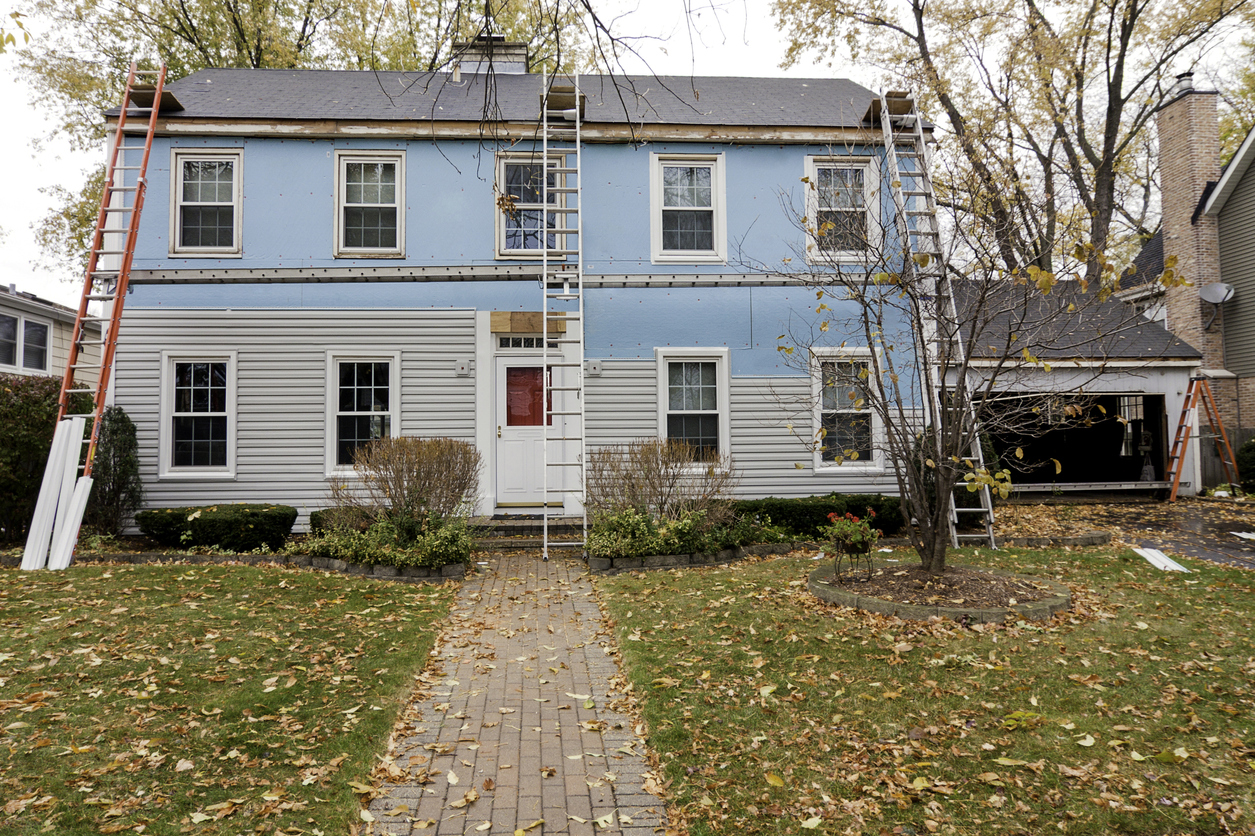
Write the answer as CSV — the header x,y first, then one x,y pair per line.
x,y
370,211
845,414
207,197
693,400
365,403
24,343
199,419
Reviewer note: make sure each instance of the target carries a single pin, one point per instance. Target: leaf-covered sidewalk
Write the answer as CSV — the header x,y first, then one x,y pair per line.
x,y
520,732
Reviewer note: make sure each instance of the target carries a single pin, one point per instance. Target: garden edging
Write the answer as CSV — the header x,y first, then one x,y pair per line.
x,y
615,565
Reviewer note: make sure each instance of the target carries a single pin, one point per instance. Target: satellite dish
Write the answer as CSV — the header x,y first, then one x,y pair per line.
x,y
1216,292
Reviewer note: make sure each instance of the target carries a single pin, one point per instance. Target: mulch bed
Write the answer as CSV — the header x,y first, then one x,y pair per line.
x,y
959,586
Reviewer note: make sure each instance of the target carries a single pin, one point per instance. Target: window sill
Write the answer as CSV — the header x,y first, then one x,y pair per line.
x,y
689,258
863,257
189,475
206,254
366,254
828,468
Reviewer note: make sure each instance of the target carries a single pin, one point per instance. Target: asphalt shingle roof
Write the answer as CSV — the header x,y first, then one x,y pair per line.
x,y
1095,330
364,95
1147,266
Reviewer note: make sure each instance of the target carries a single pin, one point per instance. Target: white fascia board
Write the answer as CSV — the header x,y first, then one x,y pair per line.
x,y
1232,175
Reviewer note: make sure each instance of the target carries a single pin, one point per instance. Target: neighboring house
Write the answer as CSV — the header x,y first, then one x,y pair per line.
x,y
326,257
35,337
1097,412
1209,228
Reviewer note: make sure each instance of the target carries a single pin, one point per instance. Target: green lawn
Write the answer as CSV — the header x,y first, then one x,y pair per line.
x,y
200,699
775,713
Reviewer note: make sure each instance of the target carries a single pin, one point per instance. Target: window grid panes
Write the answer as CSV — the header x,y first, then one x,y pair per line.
x,y
846,416
688,216
841,216
363,411
8,340
35,346
207,206
523,207
693,404
1132,408
200,414
370,205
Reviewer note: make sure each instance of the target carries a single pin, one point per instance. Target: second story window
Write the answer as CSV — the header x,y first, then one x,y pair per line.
x,y
370,204
207,197
841,194
521,211
687,196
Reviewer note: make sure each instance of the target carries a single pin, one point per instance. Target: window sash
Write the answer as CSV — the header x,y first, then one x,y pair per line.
x,y
845,415
8,340
688,215
841,211
693,404
207,203
363,411
199,421
369,205
524,210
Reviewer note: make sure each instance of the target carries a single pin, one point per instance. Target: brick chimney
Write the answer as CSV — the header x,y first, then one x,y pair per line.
x,y
1189,159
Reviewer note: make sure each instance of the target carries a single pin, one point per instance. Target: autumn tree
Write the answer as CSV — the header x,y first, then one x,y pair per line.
x,y
1043,106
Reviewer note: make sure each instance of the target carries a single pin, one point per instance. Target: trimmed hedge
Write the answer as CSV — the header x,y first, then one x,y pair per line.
x,y
806,516
236,528
344,517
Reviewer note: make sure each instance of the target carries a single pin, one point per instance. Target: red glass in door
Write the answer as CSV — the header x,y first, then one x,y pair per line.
x,y
524,397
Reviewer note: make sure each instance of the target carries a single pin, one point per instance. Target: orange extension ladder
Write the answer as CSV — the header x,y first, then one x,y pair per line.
x,y
62,500
1200,390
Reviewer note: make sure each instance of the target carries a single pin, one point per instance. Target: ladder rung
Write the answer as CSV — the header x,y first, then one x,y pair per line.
x,y
563,389
564,464
127,167
557,365
117,209
97,297
564,412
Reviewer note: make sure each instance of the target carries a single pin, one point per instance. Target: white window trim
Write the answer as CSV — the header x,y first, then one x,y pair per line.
x,y
177,156
718,199
342,158
332,398
723,382
877,462
165,432
561,218
871,196
19,353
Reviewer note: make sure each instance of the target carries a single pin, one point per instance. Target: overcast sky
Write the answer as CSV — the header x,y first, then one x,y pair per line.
x,y
733,37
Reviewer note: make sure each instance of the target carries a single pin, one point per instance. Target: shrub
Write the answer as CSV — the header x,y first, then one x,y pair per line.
x,y
807,516
28,419
404,481
330,519
1244,458
237,528
439,544
117,491
667,479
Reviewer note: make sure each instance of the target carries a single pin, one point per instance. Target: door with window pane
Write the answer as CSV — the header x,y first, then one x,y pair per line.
x,y
521,427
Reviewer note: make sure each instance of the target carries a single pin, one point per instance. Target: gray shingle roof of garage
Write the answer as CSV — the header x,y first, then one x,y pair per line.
x,y
1095,330
364,95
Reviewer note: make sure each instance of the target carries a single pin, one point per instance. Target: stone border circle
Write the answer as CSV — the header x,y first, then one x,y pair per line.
x,y
1042,610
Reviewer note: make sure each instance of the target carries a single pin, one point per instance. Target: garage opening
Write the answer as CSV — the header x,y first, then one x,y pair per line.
x,y
1087,442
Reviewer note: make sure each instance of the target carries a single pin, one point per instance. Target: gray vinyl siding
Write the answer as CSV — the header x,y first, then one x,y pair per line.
x,y
280,392
622,405
1237,267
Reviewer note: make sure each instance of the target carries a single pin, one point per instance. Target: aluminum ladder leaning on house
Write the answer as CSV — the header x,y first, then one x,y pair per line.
x,y
915,208
562,283
62,499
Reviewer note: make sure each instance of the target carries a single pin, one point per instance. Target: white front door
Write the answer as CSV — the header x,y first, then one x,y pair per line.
x,y
520,432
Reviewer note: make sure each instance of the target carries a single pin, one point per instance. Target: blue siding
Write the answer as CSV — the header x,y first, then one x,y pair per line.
x,y
288,208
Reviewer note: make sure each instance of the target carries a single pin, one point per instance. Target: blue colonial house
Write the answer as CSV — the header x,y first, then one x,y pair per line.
x,y
327,257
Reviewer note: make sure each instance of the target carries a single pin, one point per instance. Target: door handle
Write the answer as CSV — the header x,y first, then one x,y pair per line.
x,y
498,431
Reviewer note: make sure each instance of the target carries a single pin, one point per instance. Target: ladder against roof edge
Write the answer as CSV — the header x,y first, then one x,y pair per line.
x,y
915,214
562,286
59,510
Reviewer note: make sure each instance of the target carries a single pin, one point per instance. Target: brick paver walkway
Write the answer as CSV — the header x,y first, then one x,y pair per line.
x,y
508,724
